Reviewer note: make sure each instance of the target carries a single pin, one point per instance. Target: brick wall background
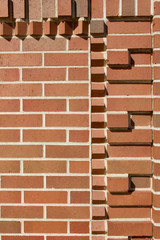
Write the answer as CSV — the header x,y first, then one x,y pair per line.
x,y
79,119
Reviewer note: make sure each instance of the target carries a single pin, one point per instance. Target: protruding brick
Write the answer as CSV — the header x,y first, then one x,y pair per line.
x,y
21,29
98,151
98,227
18,8
6,29
118,58
98,197
48,8
118,184
118,120
35,28
98,166
98,182
50,28
98,212
97,27
65,28
128,7
81,28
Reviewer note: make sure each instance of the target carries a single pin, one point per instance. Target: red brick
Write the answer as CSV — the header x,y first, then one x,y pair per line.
x,y
44,74
4,10
20,237
9,105
81,27
98,197
156,56
66,59
10,197
79,227
98,136
21,29
141,120
156,39
131,42
118,58
129,212
98,182
44,44
10,227
133,74
129,104
156,185
81,8
97,120
156,136
79,136
97,27
20,151
156,232
64,8
18,90
156,8
68,89
156,106
65,28
144,7
68,212
130,166
45,197
35,9
50,28
128,89
113,123
156,169
155,215
6,29
18,9
21,182
98,212
156,202
112,8
48,9
140,182
21,212
128,7
78,105
118,184
9,135
129,151
44,135
45,227
9,166
78,74
133,136
98,227
130,228
79,167
67,182
52,105
26,120
80,197
98,166
141,198
156,24
78,44
97,9
21,59
156,120
68,120
123,27
97,105
9,75
35,28
98,151
64,151
65,238
140,58
44,166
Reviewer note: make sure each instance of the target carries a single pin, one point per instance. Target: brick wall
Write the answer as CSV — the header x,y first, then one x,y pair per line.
x,y
79,119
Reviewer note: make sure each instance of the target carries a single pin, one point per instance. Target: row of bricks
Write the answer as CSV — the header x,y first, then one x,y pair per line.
x,y
68,89
96,237
48,28
38,9
47,197
44,166
77,28
44,227
44,135
43,74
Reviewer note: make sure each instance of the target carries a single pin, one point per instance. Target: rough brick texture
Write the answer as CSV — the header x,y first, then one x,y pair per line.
x,y
79,119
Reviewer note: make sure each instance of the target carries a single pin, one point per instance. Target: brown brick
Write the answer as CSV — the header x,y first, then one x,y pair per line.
x,y
21,212
129,151
78,44
50,28
140,182
48,9
113,123
112,8
130,212
81,8
11,105
9,166
35,28
20,237
65,28
45,227
79,227
44,135
10,74
97,27
144,7
97,8
78,74
118,184
22,120
81,27
6,29
22,182
80,197
10,197
64,8
21,29
10,227
4,10
35,9
79,136
18,9
78,105
79,167
128,7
